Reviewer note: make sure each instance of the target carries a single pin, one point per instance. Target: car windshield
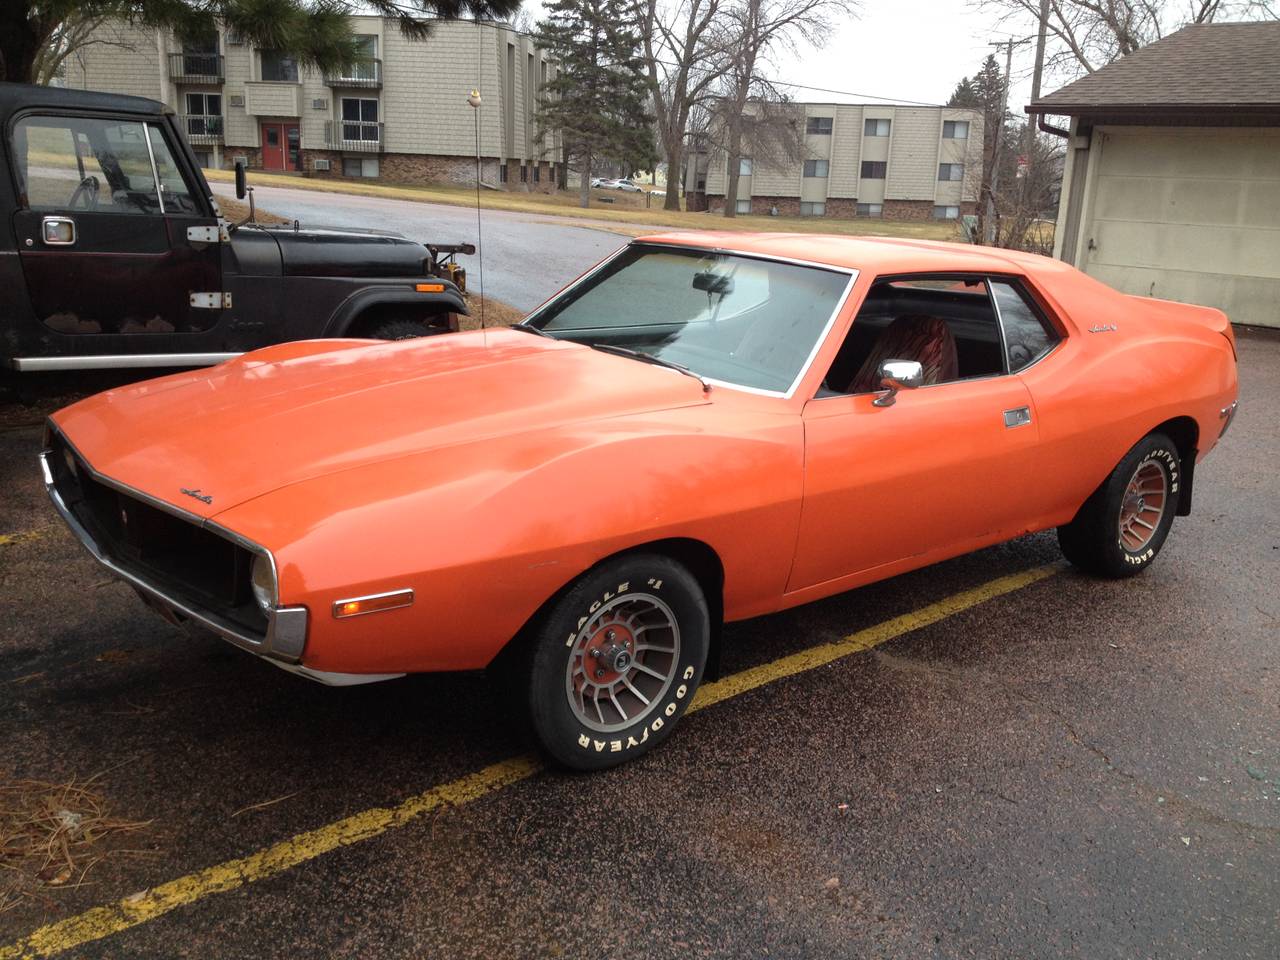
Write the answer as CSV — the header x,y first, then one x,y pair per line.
x,y
729,318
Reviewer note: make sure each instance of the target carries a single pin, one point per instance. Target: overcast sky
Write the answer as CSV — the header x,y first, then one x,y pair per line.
x,y
905,49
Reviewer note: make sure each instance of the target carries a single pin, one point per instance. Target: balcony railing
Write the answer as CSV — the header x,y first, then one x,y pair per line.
x,y
196,67
365,75
356,136
201,128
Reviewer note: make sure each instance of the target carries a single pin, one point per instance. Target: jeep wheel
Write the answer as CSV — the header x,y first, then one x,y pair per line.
x,y
403,329
1123,525
616,661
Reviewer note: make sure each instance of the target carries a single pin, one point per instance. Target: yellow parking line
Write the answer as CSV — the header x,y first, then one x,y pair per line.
x,y
100,922
22,536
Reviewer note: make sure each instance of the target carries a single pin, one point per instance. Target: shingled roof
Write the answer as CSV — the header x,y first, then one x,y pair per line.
x,y
1230,66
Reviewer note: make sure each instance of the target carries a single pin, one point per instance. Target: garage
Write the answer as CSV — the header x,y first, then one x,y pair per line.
x,y
1172,180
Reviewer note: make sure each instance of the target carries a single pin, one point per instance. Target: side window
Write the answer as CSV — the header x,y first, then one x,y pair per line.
x,y
173,188
87,164
1027,336
948,324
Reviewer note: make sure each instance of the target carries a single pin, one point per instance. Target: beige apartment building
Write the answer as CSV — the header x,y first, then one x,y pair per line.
x,y
860,160
401,114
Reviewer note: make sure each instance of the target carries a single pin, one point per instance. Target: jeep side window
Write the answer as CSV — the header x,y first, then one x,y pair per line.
x,y
82,163
173,189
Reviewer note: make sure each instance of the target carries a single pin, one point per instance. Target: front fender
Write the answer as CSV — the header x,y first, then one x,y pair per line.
x,y
485,532
401,293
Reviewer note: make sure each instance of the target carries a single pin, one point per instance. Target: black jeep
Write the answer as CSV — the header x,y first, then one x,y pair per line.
x,y
113,252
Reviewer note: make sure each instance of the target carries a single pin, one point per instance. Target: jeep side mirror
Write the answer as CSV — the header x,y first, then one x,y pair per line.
x,y
242,186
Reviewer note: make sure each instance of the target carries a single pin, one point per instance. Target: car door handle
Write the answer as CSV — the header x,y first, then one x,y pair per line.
x,y
1017,417
58,231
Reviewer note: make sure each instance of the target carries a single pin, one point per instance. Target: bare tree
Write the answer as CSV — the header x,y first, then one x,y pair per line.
x,y
1084,35
684,58
1023,211
760,30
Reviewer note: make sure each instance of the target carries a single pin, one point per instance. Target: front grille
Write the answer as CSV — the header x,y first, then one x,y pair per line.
x,y
178,556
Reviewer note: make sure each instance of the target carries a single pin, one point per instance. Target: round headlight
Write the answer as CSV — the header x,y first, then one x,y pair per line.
x,y
264,583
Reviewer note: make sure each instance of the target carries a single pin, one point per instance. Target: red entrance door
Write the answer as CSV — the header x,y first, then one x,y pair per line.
x,y
280,143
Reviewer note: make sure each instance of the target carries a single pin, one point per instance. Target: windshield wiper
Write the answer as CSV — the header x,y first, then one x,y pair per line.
x,y
650,358
525,328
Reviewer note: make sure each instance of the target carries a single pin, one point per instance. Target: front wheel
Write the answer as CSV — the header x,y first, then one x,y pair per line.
x,y
616,661
403,329
1123,525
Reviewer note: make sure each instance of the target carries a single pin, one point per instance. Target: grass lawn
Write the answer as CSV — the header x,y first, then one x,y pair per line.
x,y
627,214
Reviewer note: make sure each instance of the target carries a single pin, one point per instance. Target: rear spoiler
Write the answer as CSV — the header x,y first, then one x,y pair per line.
x,y
1209,317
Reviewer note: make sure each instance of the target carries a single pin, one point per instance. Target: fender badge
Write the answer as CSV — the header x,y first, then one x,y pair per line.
x,y
202,497
1103,328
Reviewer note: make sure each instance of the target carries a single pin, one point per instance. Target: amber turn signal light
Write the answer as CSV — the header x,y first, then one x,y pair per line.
x,y
429,287
376,603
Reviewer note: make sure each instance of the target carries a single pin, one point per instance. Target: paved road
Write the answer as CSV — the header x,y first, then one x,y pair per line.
x,y
1074,769
526,258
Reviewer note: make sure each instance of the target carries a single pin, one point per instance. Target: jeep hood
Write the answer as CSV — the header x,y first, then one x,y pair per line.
x,y
341,252
301,410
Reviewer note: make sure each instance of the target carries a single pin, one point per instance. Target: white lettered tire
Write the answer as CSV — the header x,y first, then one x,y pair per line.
x,y
616,661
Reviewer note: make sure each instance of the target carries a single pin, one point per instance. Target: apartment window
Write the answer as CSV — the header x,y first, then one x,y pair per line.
x,y
942,212
204,114
364,68
359,166
876,128
743,206
537,173
359,119
277,65
818,125
951,171
955,129
815,168
874,169
502,173
744,166
869,210
204,158
524,173
816,209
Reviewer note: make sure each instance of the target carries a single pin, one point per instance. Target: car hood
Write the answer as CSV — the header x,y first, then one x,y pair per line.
x,y
291,413
343,252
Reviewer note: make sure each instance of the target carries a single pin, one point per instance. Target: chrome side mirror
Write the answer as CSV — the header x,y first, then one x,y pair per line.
x,y
898,375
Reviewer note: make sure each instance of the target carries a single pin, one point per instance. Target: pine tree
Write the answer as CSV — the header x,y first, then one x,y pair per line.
x,y
964,95
597,100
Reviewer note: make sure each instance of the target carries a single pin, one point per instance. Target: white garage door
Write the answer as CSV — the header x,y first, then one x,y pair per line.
x,y
1190,214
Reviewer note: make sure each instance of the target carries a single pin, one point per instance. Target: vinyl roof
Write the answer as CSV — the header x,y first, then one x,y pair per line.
x,y
1220,65
874,255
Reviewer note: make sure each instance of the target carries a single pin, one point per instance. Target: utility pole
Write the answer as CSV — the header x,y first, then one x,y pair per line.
x,y
1029,139
989,230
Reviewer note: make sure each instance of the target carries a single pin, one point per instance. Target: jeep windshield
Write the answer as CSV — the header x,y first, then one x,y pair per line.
x,y
730,318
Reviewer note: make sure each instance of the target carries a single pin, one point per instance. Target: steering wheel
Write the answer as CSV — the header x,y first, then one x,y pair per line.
x,y
87,190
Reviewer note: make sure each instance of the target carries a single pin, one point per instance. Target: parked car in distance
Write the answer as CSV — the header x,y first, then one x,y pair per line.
x,y
118,255
603,183
628,186
704,428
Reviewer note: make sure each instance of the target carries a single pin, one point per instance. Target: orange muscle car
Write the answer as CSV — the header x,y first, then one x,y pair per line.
x,y
703,428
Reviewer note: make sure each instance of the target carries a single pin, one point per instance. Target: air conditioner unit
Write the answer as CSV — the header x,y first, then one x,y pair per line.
x,y
319,104
236,100
318,164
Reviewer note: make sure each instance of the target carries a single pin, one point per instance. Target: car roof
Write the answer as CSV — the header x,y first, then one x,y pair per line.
x,y
877,255
19,96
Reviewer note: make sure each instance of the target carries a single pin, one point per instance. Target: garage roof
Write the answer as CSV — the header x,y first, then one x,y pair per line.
x,y
1233,66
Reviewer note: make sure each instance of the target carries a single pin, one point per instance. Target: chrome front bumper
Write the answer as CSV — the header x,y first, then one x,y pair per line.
x,y
286,634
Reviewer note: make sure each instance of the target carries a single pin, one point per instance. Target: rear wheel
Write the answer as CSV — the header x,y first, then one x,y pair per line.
x,y
616,661
1123,525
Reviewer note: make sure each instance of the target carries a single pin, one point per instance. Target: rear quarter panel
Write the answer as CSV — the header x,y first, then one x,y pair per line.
x,y
486,532
1100,392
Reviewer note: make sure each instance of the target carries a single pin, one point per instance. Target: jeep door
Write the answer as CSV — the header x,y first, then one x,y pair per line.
x,y
117,242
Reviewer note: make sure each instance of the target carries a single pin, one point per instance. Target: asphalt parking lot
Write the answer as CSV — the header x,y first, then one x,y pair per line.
x,y
995,757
